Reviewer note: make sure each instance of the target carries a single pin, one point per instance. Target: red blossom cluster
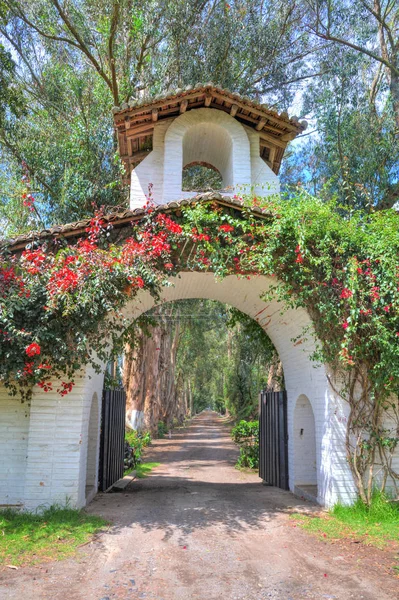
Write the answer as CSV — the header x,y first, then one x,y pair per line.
x,y
63,280
10,280
374,294
299,257
346,293
28,201
35,260
168,224
199,237
33,349
46,386
226,228
66,388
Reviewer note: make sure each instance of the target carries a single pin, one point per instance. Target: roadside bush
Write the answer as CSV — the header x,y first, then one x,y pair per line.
x,y
135,442
246,435
162,429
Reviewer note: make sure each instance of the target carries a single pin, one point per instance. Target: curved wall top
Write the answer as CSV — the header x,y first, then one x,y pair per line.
x,y
283,328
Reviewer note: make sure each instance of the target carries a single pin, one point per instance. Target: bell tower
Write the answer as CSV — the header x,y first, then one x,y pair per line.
x,y
241,140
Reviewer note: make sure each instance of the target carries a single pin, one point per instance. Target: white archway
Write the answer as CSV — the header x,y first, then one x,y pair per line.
x,y
302,376
305,457
71,443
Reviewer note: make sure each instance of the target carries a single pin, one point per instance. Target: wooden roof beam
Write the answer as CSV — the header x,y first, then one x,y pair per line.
x,y
154,115
208,100
270,139
260,125
233,110
183,106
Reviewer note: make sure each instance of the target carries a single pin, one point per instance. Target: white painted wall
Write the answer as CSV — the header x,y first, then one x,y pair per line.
x,y
263,180
14,432
201,135
45,448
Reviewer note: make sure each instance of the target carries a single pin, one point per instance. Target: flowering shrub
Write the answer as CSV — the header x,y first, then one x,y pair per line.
x,y
62,309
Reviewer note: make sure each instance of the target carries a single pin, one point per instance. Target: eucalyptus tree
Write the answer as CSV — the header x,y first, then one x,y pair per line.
x,y
75,60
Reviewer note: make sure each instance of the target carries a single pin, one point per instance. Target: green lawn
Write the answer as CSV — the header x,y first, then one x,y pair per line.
x,y
144,469
27,538
376,525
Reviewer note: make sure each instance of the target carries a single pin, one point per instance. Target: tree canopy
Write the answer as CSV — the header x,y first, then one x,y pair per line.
x,y
63,65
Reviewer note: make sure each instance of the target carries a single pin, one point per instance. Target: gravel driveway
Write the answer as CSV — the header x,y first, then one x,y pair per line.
x,y
198,529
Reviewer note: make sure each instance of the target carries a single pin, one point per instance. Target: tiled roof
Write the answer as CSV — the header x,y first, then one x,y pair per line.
x,y
119,217
138,105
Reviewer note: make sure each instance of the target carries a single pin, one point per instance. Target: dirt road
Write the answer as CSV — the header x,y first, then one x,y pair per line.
x,y
197,529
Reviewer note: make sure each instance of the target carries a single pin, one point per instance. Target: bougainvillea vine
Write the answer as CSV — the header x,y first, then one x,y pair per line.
x,y
61,309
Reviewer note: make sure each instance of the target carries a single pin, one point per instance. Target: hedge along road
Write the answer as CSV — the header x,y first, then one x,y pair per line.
x,y
198,529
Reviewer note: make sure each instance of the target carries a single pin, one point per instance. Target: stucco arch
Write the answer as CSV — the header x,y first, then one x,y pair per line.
x,y
302,375
206,135
68,441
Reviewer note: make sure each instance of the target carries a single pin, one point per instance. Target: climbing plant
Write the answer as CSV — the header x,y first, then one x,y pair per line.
x,y
61,307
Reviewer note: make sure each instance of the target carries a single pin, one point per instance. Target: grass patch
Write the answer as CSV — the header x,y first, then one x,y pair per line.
x,y
375,525
27,538
144,469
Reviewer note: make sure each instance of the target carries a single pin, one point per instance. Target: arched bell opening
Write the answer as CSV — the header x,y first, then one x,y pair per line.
x,y
201,177
208,151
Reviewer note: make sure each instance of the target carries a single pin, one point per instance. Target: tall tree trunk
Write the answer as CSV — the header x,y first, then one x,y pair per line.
x,y
149,375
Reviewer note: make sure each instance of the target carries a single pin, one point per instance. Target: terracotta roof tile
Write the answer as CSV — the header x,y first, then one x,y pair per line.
x,y
118,217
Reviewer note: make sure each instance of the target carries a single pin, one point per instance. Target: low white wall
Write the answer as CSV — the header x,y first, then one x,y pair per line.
x,y
55,463
14,432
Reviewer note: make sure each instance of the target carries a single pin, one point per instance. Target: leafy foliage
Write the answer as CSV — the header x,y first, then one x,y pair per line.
x,y
137,442
246,435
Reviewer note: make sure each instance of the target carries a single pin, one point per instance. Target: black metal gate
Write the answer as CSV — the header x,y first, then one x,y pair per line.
x,y
273,439
112,440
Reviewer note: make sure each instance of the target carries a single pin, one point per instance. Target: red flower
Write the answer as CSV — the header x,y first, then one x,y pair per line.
x,y
374,294
345,325
226,228
346,293
33,349
169,224
65,388
168,266
299,258
64,280
46,386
